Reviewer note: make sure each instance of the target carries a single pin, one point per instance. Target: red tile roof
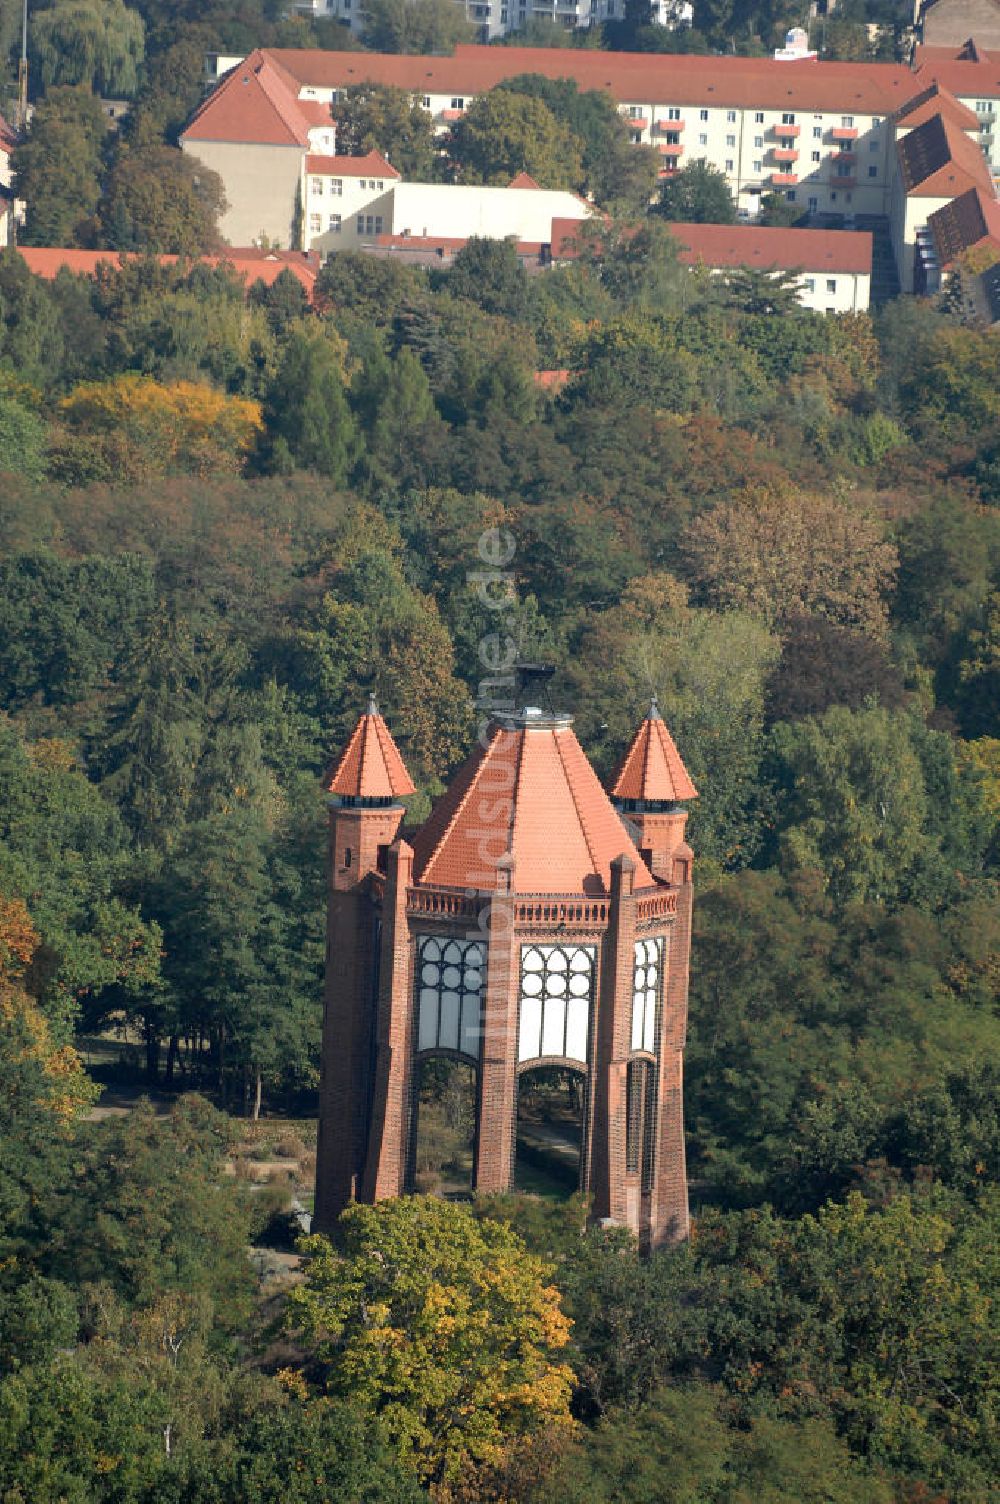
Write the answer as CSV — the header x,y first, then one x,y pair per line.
x,y
868,88
967,222
937,100
551,381
522,180
937,160
370,766
968,71
251,265
373,164
257,102
529,794
764,246
652,768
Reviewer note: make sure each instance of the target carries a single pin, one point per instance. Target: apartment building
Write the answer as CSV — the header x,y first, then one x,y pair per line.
x,y
972,74
497,18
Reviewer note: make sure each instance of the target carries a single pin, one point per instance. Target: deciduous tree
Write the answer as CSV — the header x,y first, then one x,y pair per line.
x,y
502,134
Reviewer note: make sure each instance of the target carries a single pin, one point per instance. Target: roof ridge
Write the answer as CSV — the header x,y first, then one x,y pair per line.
x,y
571,785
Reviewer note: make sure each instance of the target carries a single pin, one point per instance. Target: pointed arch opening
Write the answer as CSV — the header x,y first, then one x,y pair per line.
x,y
444,1127
551,1130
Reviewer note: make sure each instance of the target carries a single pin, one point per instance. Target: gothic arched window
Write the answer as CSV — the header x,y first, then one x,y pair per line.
x,y
449,994
557,983
647,985
640,1120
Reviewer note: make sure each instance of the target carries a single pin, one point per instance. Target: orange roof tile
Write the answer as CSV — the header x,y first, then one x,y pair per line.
x,y
875,88
370,766
971,220
936,100
256,102
249,264
522,180
372,164
652,768
764,246
529,793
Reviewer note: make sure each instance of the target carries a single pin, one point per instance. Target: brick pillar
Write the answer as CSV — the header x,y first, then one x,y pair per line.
x,y
612,1040
669,1219
355,838
385,1170
497,1106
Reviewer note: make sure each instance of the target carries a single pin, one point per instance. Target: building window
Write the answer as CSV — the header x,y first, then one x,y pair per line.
x,y
635,137
635,112
702,114
316,186
831,284
673,138
873,172
647,980
758,118
810,282
730,165
815,156
315,224
873,146
731,117
790,195
817,133
449,994
787,143
458,103
337,187
361,224
846,148
787,118
378,224
556,986
847,121
813,205
334,224
426,101
380,185
730,140
703,140
673,113
758,142
758,167
640,1120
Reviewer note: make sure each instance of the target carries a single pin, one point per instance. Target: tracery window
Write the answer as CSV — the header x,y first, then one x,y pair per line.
x,y
557,983
450,979
640,1120
647,984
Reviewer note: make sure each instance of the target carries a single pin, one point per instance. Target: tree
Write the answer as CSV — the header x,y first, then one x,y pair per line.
x,y
778,553
308,420
502,134
488,272
431,26
379,117
405,436
160,199
58,167
446,1326
23,440
97,43
698,194
776,210
823,664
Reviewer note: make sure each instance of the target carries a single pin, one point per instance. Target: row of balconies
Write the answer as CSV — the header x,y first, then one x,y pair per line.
x,y
782,132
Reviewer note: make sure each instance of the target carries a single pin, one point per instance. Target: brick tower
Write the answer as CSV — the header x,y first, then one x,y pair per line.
x,y
530,923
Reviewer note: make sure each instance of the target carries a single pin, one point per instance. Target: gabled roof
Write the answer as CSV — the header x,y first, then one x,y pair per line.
x,y
529,794
969,221
256,102
968,71
867,88
522,180
371,766
937,160
766,247
936,100
372,165
652,768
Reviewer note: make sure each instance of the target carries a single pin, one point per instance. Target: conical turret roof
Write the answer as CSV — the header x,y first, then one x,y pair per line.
x,y
527,793
652,768
371,766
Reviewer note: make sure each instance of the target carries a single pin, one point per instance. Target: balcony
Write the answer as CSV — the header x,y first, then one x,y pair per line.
x,y
847,159
636,123
844,133
785,153
843,180
670,150
784,179
669,125
786,130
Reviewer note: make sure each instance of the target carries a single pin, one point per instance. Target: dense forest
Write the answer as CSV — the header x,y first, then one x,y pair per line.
x,y
224,517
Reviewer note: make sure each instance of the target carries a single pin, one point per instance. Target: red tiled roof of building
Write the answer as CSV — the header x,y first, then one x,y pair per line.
x,y
936,100
968,71
251,264
652,768
371,765
966,223
766,247
522,180
937,160
373,164
552,381
529,794
256,102
875,88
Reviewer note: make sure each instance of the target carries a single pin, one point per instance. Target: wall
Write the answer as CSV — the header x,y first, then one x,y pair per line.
x,y
435,209
949,23
261,183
